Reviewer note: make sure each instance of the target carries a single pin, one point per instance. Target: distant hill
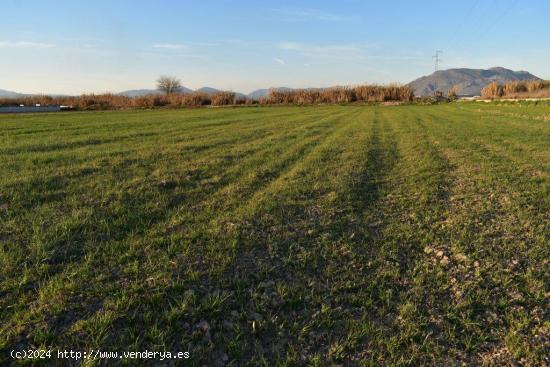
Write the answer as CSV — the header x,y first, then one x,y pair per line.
x,y
470,81
144,92
9,94
127,93
259,93
208,90
139,92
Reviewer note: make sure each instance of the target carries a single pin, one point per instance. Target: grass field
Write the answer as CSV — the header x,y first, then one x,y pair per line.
x,y
352,235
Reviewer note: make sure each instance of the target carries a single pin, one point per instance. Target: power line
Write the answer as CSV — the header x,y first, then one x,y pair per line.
x,y
460,25
457,34
498,19
472,23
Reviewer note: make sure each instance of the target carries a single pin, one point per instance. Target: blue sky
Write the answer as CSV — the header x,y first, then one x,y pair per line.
x,y
96,46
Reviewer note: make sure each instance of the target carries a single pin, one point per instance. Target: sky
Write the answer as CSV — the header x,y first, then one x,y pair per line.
x,y
74,47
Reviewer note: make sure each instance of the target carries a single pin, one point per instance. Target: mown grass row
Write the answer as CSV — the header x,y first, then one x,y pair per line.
x,y
499,262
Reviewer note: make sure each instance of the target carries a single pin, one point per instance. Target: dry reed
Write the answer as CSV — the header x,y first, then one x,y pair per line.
x,y
517,89
335,95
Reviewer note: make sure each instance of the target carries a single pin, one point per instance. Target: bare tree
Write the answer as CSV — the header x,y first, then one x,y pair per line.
x,y
168,84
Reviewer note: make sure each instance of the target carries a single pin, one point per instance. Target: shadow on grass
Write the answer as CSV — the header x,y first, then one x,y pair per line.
x,y
124,216
296,260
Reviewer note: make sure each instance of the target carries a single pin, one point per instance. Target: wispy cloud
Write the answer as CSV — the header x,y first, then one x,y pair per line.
x,y
237,42
205,44
170,46
279,61
345,51
25,44
332,51
307,15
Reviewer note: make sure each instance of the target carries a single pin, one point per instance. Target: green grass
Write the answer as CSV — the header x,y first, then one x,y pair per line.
x,y
405,235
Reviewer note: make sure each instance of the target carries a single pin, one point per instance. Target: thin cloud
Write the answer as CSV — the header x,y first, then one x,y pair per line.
x,y
25,44
307,15
331,51
170,46
205,44
237,42
279,61
351,51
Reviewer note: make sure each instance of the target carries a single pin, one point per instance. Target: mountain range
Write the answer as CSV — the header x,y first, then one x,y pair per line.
x,y
144,92
469,81
9,94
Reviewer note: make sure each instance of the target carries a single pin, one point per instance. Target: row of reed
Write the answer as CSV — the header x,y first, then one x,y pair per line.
x,y
338,95
113,101
517,89
335,95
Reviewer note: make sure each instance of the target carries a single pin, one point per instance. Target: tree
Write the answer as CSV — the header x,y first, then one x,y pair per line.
x,y
168,84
